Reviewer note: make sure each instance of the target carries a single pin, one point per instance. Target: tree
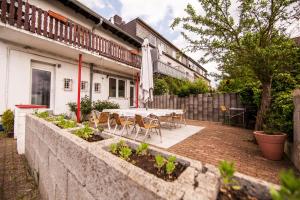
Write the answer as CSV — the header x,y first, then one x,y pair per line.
x,y
253,40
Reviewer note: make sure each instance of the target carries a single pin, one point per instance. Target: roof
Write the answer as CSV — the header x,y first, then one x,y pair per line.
x,y
167,41
106,24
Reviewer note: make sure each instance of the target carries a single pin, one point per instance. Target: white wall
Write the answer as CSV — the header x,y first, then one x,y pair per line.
x,y
19,79
3,62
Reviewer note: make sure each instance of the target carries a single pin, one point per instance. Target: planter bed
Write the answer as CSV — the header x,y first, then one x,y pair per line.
x,y
147,163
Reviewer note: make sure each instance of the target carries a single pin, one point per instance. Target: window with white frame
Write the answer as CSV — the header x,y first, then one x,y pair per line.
x,y
97,87
117,88
68,84
84,86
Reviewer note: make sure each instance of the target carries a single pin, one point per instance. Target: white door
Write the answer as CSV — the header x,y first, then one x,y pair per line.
x,y
42,84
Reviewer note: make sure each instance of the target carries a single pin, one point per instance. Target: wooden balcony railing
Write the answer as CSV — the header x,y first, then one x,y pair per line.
x,y
31,18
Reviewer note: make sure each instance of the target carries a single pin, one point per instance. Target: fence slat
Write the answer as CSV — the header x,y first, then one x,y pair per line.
x,y
45,29
39,22
33,18
200,107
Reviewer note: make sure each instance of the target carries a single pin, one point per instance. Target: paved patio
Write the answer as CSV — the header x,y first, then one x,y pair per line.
x,y
15,181
218,142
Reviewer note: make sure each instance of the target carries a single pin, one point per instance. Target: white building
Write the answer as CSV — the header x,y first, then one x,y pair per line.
x,y
40,44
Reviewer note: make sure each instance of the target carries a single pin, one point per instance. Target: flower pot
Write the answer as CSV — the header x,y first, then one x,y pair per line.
x,y
272,146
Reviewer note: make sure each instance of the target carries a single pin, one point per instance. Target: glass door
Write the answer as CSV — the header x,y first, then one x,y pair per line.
x,y
131,97
41,87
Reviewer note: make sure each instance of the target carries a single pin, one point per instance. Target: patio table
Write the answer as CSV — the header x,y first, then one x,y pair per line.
x,y
144,112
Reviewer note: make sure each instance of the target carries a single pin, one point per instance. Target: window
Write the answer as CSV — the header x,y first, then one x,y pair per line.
x,y
121,87
68,84
97,87
117,88
112,87
84,86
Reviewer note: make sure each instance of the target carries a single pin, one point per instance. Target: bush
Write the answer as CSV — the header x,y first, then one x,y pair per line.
x,y
101,105
8,121
160,86
85,106
199,86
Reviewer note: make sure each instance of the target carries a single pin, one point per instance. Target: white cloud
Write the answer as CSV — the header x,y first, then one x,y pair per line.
x,y
93,3
153,11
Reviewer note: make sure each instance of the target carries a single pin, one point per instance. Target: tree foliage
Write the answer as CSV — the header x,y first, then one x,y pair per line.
x,y
252,42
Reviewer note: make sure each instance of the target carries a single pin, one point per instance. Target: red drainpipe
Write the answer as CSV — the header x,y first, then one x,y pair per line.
x,y
137,90
79,88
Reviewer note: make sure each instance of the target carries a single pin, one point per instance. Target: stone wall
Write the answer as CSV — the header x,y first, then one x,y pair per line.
x,y
67,167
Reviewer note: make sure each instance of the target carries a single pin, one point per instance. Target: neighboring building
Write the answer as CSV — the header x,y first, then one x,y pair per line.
x,y
40,43
172,62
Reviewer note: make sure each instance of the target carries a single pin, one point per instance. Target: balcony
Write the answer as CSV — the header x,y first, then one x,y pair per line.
x,y
163,68
34,20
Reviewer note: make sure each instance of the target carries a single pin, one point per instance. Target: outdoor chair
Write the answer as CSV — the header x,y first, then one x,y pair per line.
x,y
125,123
100,118
225,111
179,118
147,124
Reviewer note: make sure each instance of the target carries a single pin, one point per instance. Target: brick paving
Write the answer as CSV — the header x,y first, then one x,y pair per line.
x,y
15,180
218,142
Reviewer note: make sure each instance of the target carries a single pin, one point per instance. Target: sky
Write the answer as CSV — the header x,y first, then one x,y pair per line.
x,y
159,14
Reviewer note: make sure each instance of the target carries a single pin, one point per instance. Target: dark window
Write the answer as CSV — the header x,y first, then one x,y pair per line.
x,y
121,92
112,87
41,87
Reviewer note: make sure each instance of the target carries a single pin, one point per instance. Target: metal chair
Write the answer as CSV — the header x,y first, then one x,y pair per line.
x,y
225,111
121,122
100,118
147,124
179,117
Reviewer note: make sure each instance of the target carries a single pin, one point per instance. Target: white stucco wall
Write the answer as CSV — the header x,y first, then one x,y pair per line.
x,y
19,79
3,72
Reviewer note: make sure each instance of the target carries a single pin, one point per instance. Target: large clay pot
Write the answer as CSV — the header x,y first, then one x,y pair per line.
x,y
272,146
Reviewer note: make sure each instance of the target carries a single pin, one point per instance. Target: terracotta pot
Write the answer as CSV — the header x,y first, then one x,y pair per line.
x,y
272,146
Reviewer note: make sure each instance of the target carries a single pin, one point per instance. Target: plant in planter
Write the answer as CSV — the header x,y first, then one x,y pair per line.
x,y
43,115
142,149
8,122
65,124
159,162
271,141
87,133
167,169
290,187
125,153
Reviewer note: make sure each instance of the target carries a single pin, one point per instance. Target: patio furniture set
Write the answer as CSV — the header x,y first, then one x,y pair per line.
x,y
139,120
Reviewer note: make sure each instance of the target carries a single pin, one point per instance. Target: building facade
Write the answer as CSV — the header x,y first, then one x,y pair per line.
x,y
171,60
40,44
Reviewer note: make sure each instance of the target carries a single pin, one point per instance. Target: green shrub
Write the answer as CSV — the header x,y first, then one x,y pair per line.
x,y
170,167
227,172
142,149
101,105
42,115
290,187
125,153
85,132
8,121
85,106
159,162
65,123
199,86
160,86
113,148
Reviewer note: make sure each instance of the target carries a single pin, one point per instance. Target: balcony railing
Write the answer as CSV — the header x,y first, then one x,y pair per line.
x,y
163,68
33,19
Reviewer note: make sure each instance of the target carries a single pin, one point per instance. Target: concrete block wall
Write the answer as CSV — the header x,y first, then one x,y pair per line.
x,y
66,167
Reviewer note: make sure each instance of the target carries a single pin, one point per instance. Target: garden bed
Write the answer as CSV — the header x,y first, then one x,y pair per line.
x,y
168,169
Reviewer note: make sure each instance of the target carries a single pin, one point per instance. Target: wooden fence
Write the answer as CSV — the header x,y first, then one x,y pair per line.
x,y
198,107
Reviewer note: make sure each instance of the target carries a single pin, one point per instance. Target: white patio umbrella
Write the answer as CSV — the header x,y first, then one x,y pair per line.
x,y
146,77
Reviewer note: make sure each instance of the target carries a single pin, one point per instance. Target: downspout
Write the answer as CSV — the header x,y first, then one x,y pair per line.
x,y
79,88
91,80
137,90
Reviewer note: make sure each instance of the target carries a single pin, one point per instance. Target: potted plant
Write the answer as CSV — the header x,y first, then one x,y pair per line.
x,y
271,141
8,123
